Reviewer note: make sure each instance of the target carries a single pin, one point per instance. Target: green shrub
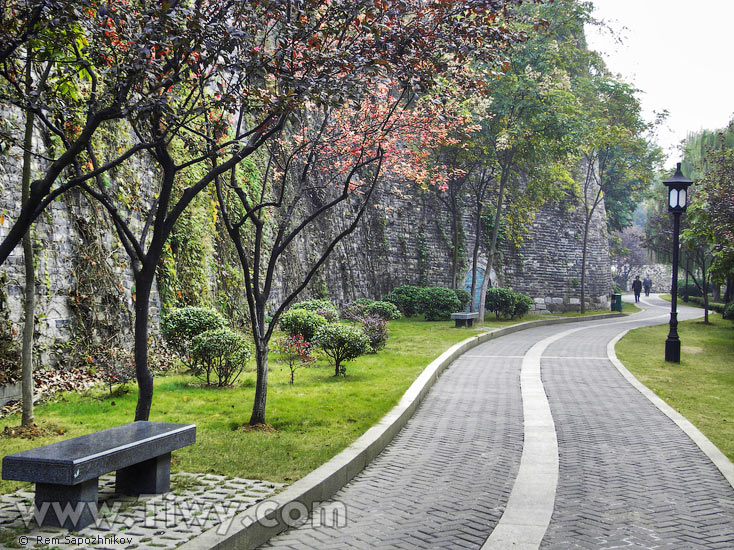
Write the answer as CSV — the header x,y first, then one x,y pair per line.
x,y
501,301
341,343
729,312
718,307
383,310
522,305
692,289
464,297
356,310
303,322
220,352
180,326
506,303
322,307
376,330
437,304
406,298
296,351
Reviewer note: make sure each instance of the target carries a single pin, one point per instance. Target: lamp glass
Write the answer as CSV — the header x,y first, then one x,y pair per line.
x,y
682,198
673,198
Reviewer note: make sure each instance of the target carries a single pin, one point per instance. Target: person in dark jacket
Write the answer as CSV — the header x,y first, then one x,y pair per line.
x,y
637,288
647,284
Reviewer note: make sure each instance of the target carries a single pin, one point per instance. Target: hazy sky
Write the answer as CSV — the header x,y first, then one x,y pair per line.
x,y
679,54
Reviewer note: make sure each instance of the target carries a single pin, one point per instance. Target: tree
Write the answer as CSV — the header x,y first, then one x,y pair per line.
x,y
325,169
327,162
615,154
528,122
203,87
29,79
713,208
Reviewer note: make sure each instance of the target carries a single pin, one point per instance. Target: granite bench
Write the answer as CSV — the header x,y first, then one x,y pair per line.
x,y
66,472
465,318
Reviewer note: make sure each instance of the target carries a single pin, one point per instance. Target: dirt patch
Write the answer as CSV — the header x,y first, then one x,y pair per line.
x,y
693,350
32,431
257,428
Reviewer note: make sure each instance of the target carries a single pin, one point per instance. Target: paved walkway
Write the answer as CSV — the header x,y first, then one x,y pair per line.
x,y
595,465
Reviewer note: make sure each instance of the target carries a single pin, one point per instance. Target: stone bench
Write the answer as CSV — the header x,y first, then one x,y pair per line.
x,y
464,319
66,473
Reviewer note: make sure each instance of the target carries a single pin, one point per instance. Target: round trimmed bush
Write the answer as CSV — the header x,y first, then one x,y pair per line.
x,y
356,310
501,301
303,322
523,304
729,312
406,298
506,303
341,343
180,326
437,304
376,330
383,310
323,307
219,352
464,297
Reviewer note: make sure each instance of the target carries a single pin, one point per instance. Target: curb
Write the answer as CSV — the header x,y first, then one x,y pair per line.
x,y
720,460
254,526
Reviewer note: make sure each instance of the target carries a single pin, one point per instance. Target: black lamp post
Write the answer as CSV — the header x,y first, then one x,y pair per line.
x,y
677,203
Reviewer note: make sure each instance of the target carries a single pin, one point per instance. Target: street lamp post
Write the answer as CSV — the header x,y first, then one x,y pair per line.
x,y
677,203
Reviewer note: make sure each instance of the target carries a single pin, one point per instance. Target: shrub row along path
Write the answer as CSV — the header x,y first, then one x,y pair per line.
x,y
594,464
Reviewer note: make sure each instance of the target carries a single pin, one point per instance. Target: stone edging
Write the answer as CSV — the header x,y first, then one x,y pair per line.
x,y
720,460
257,524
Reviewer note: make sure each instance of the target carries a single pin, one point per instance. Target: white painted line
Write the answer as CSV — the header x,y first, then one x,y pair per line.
x,y
530,506
522,356
725,466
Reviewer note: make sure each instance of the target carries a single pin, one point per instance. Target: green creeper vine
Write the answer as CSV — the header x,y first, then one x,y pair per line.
x,y
422,250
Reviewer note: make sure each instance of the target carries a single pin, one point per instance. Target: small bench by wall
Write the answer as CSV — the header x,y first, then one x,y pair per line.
x,y
66,472
465,318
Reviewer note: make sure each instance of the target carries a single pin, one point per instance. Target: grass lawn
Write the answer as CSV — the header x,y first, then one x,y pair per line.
x,y
702,385
628,307
313,419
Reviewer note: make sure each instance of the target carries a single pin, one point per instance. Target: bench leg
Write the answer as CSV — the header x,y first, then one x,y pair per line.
x,y
70,506
470,323
145,478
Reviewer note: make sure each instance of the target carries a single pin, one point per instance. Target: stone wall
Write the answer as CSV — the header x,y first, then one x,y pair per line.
x,y
82,274
403,239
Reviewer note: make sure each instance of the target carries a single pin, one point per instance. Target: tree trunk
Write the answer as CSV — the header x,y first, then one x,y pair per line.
x,y
29,309
455,255
703,289
583,264
493,242
143,286
475,256
261,385
716,292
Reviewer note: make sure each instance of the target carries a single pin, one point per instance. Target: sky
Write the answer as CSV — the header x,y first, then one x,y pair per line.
x,y
679,54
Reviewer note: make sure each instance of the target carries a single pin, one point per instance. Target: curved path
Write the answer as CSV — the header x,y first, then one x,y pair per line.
x,y
535,440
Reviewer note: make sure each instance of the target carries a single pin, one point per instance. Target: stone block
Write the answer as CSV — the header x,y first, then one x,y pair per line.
x,y
574,301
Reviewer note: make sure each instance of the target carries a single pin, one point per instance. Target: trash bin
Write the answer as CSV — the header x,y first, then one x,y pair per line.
x,y
617,302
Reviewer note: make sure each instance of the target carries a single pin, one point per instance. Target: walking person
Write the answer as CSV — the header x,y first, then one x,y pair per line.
x,y
637,288
647,284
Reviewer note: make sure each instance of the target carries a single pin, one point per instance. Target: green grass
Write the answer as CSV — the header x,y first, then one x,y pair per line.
x,y
314,419
702,385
